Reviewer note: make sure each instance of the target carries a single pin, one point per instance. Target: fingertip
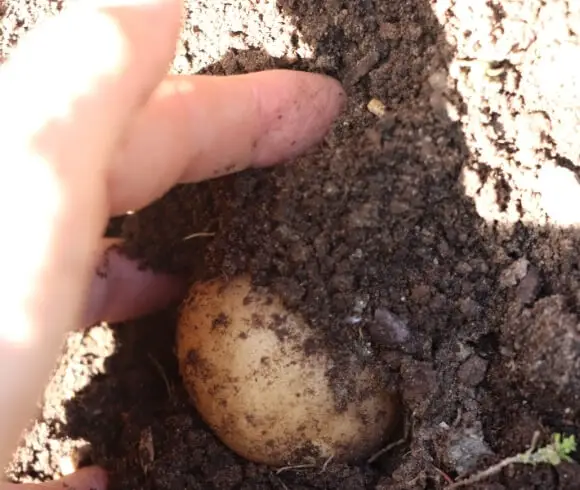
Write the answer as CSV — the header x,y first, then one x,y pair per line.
x,y
298,120
123,290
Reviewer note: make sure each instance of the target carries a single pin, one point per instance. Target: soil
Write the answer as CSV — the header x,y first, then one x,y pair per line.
x,y
438,242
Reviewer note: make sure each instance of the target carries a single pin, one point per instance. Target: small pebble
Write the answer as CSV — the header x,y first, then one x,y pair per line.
x,y
376,107
466,447
388,329
513,274
472,372
360,303
529,287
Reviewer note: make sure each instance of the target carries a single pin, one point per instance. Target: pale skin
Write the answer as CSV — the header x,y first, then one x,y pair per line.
x,y
91,126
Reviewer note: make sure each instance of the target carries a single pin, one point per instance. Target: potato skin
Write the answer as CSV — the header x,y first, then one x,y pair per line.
x,y
245,363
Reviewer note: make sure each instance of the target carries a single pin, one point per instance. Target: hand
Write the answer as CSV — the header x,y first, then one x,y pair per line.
x,y
91,127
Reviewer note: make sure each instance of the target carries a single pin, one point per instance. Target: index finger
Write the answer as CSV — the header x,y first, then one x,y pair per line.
x,y
198,127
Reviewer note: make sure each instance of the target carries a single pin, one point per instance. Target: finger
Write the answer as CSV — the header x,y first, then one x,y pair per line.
x,y
60,147
66,95
84,90
198,127
122,291
90,478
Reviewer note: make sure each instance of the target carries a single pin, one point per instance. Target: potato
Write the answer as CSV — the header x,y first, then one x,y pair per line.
x,y
253,373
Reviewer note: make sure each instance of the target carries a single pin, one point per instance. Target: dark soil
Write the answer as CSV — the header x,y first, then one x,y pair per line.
x,y
399,242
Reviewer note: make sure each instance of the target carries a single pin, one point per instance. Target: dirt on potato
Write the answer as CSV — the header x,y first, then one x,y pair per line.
x,y
439,242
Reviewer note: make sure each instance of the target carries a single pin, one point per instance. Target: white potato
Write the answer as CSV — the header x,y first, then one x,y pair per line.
x,y
255,377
